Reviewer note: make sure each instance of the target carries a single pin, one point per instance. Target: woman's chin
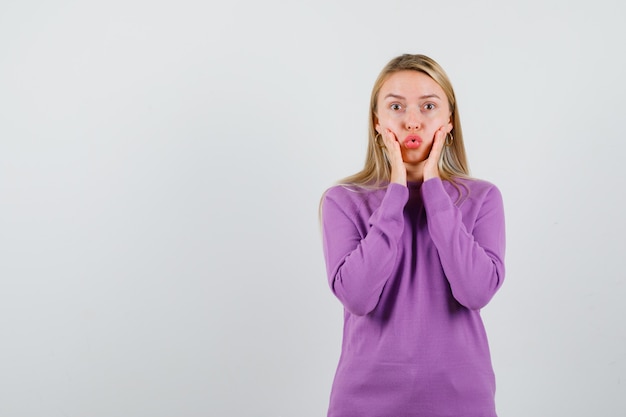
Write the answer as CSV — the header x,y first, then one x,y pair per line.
x,y
413,159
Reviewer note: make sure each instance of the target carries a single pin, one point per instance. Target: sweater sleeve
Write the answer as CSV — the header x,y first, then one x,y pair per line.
x,y
472,260
361,253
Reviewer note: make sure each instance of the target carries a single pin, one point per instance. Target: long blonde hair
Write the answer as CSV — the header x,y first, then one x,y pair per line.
x,y
377,170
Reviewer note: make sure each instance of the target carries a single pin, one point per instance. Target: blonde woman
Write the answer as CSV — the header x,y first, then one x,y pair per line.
x,y
414,248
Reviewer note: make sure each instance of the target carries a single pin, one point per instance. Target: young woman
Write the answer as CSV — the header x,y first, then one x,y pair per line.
x,y
414,248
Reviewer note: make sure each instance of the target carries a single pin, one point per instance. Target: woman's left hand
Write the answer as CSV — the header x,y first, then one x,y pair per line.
x,y
431,166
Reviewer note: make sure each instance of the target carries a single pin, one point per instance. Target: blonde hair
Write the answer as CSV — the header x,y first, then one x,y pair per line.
x,y
377,170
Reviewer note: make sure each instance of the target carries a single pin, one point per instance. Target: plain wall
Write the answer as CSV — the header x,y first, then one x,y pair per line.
x,y
161,165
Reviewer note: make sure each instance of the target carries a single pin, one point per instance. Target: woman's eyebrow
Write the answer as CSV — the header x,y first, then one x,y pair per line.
x,y
391,95
425,96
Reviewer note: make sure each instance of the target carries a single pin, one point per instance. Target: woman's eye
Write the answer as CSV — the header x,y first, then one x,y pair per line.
x,y
395,106
429,106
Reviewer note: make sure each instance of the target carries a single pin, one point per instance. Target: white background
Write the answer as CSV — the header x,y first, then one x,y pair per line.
x,y
161,164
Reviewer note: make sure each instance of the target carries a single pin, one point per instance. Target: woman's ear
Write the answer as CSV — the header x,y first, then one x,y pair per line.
x,y
377,125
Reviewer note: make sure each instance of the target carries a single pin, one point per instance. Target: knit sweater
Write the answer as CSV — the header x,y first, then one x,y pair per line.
x,y
412,267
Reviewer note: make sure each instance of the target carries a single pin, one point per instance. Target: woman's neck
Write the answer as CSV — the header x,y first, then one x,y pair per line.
x,y
414,172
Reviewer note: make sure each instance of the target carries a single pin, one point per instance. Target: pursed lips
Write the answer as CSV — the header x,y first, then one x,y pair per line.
x,y
412,141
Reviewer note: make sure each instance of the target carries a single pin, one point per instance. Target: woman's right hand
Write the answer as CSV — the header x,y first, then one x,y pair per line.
x,y
394,154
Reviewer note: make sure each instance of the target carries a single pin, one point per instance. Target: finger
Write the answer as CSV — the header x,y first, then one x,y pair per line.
x,y
393,146
439,142
389,141
388,138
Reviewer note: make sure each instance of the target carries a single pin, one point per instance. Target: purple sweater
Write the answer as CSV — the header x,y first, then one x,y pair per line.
x,y
412,267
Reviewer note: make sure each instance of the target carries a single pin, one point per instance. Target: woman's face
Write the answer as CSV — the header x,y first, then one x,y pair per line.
x,y
413,107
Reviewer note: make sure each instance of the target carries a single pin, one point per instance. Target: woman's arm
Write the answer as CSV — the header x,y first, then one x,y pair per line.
x,y
473,260
361,252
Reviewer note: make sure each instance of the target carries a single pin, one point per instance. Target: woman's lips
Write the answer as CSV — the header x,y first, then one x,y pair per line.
x,y
412,141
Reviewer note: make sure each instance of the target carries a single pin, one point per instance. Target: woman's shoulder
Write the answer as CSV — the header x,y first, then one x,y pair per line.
x,y
472,189
476,184
353,194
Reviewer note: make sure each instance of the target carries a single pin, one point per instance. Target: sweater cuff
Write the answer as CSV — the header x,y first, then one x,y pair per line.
x,y
397,195
392,206
435,196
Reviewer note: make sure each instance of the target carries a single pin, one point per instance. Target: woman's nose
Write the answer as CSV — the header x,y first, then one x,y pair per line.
x,y
412,120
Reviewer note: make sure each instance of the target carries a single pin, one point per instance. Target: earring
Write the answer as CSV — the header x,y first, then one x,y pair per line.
x,y
378,141
449,139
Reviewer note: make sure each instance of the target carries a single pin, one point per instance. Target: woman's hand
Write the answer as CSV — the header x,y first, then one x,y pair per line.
x,y
431,166
394,154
